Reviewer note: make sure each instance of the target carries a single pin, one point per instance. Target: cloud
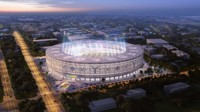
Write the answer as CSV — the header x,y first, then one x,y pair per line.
x,y
51,3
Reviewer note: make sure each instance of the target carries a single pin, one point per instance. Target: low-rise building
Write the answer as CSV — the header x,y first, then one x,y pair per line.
x,y
157,56
157,42
176,51
169,47
135,93
181,54
102,105
77,37
149,50
176,87
41,41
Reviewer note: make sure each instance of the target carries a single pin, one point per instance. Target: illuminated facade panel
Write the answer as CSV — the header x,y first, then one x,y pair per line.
x,y
112,61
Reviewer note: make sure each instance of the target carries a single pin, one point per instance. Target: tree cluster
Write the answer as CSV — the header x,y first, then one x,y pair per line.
x,y
22,81
1,90
78,102
32,105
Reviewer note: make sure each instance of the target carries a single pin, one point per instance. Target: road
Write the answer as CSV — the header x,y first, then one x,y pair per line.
x,y
9,100
51,102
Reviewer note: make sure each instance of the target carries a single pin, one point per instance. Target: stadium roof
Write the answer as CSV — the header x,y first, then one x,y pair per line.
x,y
132,52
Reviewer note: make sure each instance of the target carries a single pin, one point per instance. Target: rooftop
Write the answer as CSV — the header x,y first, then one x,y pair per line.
x,y
44,40
102,102
176,87
157,41
136,91
169,47
56,52
180,53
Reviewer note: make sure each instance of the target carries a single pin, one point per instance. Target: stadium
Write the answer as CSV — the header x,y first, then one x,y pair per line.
x,y
94,60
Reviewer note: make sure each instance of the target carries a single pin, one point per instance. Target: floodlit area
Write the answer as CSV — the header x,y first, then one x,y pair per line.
x,y
63,85
96,61
78,65
94,48
49,98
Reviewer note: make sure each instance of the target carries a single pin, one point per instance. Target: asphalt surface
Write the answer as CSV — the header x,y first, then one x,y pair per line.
x,y
9,100
51,102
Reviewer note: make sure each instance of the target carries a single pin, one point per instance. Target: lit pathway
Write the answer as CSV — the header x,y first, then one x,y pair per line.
x,y
9,100
50,100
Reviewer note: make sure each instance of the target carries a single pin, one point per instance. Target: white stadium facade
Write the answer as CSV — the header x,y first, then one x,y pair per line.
x,y
94,60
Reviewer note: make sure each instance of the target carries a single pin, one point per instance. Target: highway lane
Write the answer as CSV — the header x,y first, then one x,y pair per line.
x,y
51,102
9,100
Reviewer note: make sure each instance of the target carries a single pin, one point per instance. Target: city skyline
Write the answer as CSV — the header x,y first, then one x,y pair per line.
x,y
166,6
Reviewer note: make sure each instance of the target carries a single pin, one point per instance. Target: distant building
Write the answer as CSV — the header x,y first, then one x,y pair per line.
x,y
181,54
169,47
138,37
1,34
102,105
4,30
196,50
176,87
67,29
157,42
157,56
78,37
41,41
133,30
132,34
56,33
37,35
176,51
149,50
145,33
71,31
135,93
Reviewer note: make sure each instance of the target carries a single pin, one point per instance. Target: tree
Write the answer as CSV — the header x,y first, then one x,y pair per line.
x,y
35,47
119,100
26,86
32,105
150,71
141,72
67,108
128,106
40,63
103,80
140,105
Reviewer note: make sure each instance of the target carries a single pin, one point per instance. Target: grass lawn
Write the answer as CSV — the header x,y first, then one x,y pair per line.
x,y
166,106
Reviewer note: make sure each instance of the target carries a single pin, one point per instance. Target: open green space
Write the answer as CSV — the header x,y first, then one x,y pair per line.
x,y
32,105
166,106
22,81
155,101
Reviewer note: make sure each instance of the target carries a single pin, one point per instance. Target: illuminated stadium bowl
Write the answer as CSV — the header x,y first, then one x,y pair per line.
x,y
94,60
